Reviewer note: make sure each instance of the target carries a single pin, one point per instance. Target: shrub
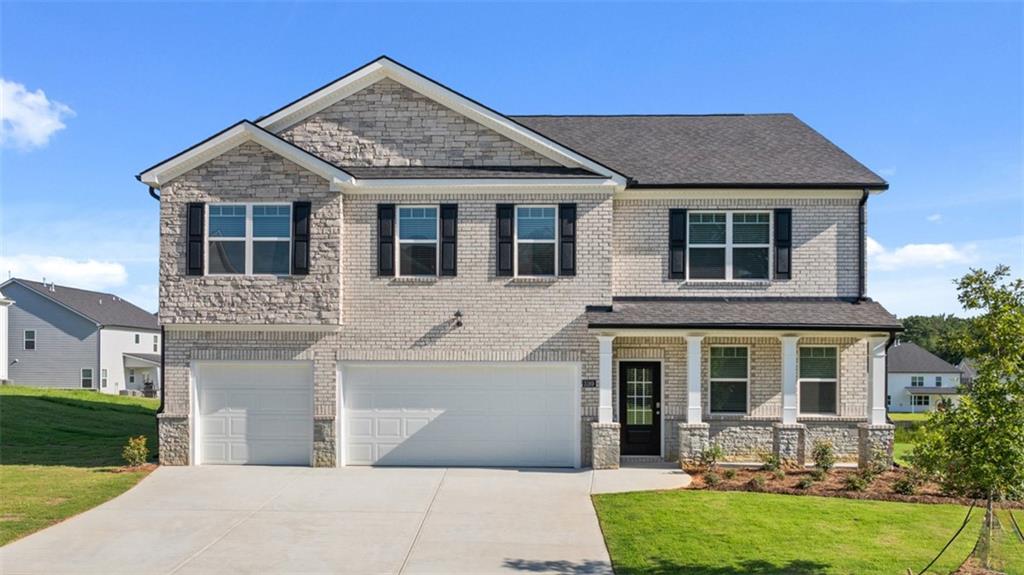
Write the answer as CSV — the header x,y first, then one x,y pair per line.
x,y
856,482
879,463
771,462
729,474
805,483
711,479
817,474
905,485
824,455
779,474
135,452
710,457
756,483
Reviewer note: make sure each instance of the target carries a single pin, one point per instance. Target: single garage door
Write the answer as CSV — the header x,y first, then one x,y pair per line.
x,y
495,414
255,413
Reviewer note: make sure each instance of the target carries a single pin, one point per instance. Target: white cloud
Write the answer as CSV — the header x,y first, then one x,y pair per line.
x,y
917,255
934,218
28,119
86,274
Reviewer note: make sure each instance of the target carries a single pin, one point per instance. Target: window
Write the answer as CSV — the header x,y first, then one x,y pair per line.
x,y
888,400
131,375
917,381
818,380
729,245
156,343
938,381
249,239
535,240
137,338
417,241
30,339
920,400
86,377
103,378
729,377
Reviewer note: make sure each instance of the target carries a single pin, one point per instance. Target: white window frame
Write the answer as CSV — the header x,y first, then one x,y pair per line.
x,y
925,400
917,378
728,379
436,241
249,239
103,377
25,339
138,338
800,380
516,241
729,246
131,375
156,343
938,381
82,378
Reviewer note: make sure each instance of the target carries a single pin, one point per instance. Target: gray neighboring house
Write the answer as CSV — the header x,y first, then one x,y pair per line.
x,y
386,272
64,337
918,379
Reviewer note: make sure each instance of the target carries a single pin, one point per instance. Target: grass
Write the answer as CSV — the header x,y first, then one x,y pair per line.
x,y
60,451
908,417
726,533
907,429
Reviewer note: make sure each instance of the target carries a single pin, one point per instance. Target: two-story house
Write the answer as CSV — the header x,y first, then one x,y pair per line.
x,y
387,272
919,380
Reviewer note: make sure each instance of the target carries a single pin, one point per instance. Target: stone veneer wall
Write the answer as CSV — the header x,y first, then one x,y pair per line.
x,y
825,249
387,124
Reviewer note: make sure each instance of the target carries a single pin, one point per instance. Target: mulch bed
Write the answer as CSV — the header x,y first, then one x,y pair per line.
x,y
833,485
147,467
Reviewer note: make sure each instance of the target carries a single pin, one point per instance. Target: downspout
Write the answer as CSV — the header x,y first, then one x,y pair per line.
x,y
862,247
155,195
163,372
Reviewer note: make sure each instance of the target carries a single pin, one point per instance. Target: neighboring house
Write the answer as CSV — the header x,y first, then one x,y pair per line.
x,y
968,371
919,379
387,272
64,337
4,304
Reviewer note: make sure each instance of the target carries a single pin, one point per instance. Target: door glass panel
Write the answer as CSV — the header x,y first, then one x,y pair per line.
x,y
639,396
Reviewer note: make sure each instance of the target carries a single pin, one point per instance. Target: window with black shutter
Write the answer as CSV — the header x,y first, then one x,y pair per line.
x,y
449,239
301,213
194,227
386,239
567,239
677,244
505,239
783,243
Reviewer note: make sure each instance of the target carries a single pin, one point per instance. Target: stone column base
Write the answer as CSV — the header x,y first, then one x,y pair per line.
x,y
604,441
789,444
873,439
324,442
694,438
173,434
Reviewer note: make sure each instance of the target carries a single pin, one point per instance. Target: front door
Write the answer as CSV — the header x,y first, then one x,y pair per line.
x,y
640,407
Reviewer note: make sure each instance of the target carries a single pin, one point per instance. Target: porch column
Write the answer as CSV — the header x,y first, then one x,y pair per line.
x,y
789,377
694,408
604,406
876,380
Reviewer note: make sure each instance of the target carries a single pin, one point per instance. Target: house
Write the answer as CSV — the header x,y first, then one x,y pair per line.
x,y
968,371
918,379
4,304
65,337
387,272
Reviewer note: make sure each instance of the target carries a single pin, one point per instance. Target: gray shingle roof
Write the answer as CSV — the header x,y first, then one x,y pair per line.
x,y
469,172
908,357
743,313
150,357
103,308
709,151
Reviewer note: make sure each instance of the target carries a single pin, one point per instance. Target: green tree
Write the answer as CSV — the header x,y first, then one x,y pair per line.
x,y
976,448
939,334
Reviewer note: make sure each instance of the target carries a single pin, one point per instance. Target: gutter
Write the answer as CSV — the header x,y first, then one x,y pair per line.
x,y
862,247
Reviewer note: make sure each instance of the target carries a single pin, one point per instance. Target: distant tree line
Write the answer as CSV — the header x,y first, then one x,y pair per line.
x,y
938,334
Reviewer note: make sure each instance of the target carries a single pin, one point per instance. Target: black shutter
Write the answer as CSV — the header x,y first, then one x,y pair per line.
x,y
300,238
677,244
386,239
505,239
783,243
449,239
566,239
195,225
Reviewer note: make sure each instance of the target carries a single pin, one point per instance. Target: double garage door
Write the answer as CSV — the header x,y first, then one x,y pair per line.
x,y
479,414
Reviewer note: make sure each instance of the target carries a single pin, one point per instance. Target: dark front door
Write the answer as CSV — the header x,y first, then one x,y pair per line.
x,y
640,407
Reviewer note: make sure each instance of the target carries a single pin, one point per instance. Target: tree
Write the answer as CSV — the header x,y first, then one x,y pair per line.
x,y
976,448
938,334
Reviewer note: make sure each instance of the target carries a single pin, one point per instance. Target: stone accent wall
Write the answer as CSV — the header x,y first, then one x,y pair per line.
x,y
841,434
789,443
825,249
693,439
875,439
173,437
605,439
324,442
743,441
250,173
387,124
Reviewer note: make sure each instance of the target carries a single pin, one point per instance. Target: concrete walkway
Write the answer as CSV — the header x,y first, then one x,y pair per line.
x,y
353,520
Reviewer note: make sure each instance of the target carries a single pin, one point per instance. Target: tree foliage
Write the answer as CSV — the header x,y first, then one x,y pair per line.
x,y
938,334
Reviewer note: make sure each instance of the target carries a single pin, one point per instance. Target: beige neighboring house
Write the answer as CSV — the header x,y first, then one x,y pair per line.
x,y
387,272
919,380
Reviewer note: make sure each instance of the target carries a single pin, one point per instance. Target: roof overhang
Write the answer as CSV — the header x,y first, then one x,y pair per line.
x,y
634,192
932,390
858,332
869,187
229,139
145,361
483,185
384,67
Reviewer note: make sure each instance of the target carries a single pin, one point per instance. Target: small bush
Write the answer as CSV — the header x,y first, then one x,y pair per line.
x,y
756,483
879,463
805,483
824,455
711,479
729,474
817,475
905,485
771,462
710,457
856,482
135,452
779,474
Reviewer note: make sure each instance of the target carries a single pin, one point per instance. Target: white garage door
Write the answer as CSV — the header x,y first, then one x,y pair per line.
x,y
255,413
518,414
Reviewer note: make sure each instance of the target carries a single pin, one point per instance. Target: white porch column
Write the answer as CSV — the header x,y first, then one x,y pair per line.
x,y
694,408
604,406
789,377
876,380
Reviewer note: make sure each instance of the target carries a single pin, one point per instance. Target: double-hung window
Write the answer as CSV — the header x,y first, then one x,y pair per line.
x,y
417,240
156,343
818,381
249,239
86,377
30,339
103,378
535,240
730,377
920,400
729,245
138,337
938,381
917,381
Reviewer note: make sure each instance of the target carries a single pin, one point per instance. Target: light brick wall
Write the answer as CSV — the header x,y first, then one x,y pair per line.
x,y
387,124
825,249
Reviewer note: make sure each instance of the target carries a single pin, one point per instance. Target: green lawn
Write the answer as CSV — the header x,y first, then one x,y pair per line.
x,y
908,417
727,533
907,425
58,451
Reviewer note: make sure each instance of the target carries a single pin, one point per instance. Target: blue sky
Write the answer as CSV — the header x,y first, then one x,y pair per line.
x,y
930,96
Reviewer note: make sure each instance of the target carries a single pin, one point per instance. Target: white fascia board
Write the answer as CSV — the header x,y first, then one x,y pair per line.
x,y
483,185
735,194
231,139
384,68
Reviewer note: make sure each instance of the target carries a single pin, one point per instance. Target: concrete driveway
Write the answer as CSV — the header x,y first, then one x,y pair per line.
x,y
351,520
